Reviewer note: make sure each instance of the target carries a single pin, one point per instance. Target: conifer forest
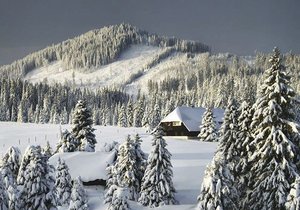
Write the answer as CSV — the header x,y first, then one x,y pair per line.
x,y
120,118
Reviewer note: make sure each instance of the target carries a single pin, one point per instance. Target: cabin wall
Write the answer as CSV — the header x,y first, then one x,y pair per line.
x,y
178,130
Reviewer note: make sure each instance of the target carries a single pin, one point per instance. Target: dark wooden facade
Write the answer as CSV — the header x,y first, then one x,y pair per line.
x,y
177,129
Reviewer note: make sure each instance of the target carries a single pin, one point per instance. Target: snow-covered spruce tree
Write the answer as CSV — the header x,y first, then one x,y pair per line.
x,y
13,201
119,199
157,186
111,183
139,113
3,196
208,127
37,189
12,160
122,119
129,114
156,116
63,185
228,136
29,155
78,196
243,148
276,141
218,190
140,158
47,150
83,130
67,142
126,169
293,198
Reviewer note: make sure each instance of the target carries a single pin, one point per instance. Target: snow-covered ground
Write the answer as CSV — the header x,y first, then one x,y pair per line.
x,y
130,62
189,157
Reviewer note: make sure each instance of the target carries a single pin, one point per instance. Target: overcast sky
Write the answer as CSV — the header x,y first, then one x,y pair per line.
x,y
236,26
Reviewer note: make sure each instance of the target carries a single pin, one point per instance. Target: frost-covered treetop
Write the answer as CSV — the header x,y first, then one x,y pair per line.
x,y
276,140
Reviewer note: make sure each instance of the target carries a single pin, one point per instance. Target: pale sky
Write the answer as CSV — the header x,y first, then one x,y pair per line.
x,y
235,26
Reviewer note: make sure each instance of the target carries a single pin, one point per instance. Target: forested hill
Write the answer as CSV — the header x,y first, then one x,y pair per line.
x,y
96,48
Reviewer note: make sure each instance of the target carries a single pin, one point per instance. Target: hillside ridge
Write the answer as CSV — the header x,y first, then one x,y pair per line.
x,y
96,48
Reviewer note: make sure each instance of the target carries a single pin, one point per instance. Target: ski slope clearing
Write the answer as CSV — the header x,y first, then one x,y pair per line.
x,y
131,62
189,157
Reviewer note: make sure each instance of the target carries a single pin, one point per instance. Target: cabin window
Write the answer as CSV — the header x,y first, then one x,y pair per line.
x,y
176,123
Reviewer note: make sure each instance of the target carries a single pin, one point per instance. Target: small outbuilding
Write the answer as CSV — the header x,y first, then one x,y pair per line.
x,y
90,166
186,121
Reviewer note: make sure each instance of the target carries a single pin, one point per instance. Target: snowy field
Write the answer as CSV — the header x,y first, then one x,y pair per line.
x,y
189,157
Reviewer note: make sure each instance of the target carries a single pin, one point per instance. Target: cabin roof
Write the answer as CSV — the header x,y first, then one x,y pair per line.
x,y
90,166
191,117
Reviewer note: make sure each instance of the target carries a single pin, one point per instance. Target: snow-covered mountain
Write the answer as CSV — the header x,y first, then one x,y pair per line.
x,y
119,55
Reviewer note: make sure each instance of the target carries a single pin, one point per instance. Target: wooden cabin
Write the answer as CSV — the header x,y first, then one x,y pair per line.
x,y
186,121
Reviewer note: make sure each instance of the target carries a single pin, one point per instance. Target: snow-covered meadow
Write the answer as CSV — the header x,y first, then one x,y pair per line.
x,y
189,157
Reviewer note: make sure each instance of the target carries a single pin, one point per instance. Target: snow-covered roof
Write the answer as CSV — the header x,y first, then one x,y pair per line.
x,y
191,117
90,166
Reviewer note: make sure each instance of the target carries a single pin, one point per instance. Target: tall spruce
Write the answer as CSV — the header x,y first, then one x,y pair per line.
x,y
157,185
47,150
229,136
37,189
218,190
244,148
208,130
63,184
3,196
122,118
119,199
111,184
276,140
29,155
217,187
293,199
126,169
83,130
140,158
78,196
67,142
11,161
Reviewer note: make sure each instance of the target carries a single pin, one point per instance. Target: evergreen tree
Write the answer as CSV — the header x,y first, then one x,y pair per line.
x,y
243,148
111,183
47,151
119,199
78,196
3,196
228,136
218,190
82,129
129,114
13,201
67,142
140,158
122,122
293,198
126,169
156,116
276,141
157,186
12,159
29,155
208,127
63,183
37,188
139,113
